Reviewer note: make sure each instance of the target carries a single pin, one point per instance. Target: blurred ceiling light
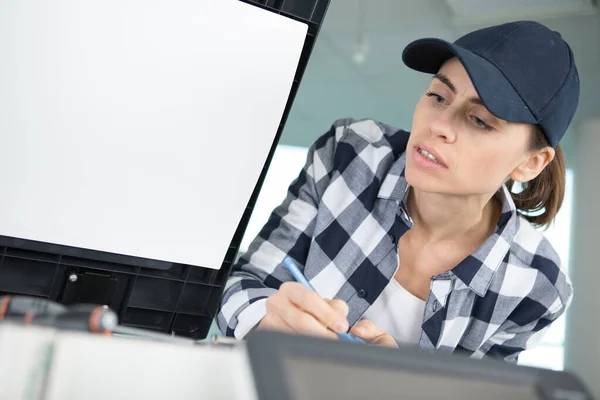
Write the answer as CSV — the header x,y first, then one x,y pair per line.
x,y
470,12
361,51
361,46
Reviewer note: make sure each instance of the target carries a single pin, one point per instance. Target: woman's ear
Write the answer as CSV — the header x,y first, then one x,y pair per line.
x,y
530,168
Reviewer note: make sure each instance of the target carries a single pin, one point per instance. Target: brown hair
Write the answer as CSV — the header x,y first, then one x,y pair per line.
x,y
541,198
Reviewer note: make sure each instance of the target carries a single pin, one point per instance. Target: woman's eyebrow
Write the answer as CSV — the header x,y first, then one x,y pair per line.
x,y
446,81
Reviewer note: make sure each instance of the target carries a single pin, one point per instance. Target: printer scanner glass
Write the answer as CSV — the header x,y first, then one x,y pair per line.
x,y
320,379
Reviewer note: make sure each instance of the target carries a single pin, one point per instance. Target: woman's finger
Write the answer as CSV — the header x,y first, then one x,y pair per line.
x,y
340,306
314,305
367,330
301,321
385,340
272,322
372,333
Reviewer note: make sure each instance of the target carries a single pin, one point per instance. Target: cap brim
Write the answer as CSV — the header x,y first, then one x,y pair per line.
x,y
495,91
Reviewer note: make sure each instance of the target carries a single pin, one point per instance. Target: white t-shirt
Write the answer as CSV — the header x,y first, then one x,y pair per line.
x,y
398,312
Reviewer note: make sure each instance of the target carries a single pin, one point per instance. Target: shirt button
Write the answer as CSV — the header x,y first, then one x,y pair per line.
x,y
435,305
393,238
362,293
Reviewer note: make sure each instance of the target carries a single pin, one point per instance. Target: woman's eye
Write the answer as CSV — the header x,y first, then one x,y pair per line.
x,y
481,124
436,98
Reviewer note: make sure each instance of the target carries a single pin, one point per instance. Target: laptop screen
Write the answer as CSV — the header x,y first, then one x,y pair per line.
x,y
312,378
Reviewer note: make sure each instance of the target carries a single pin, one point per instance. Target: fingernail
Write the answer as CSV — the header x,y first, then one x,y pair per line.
x,y
359,330
341,326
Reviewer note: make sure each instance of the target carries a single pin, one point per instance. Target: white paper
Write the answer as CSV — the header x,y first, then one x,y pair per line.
x,y
138,127
91,367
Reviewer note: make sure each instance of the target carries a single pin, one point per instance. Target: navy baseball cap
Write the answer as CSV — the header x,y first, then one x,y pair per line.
x,y
522,71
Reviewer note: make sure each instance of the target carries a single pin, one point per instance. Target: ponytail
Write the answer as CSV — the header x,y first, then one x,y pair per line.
x,y
541,198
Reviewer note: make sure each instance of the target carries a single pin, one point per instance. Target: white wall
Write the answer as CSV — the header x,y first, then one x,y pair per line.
x,y
582,353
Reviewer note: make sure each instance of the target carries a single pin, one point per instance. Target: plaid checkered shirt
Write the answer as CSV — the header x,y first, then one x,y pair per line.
x,y
341,221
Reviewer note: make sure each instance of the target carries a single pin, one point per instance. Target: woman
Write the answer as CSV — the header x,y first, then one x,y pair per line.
x,y
424,243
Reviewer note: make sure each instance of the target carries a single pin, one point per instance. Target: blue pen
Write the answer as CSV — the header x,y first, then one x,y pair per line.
x,y
300,278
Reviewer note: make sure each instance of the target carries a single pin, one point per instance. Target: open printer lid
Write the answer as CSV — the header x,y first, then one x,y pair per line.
x,y
136,137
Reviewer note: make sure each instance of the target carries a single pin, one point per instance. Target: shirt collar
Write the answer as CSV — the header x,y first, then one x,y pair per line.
x,y
394,184
477,270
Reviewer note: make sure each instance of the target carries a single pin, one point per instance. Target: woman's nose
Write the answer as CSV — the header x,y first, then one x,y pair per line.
x,y
442,126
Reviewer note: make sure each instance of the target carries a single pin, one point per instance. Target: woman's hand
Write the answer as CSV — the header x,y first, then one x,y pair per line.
x,y
371,333
296,309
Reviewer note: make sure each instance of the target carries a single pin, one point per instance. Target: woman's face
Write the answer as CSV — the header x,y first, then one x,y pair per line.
x,y
475,152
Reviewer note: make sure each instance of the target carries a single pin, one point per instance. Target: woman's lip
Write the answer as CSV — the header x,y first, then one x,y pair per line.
x,y
434,153
425,162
